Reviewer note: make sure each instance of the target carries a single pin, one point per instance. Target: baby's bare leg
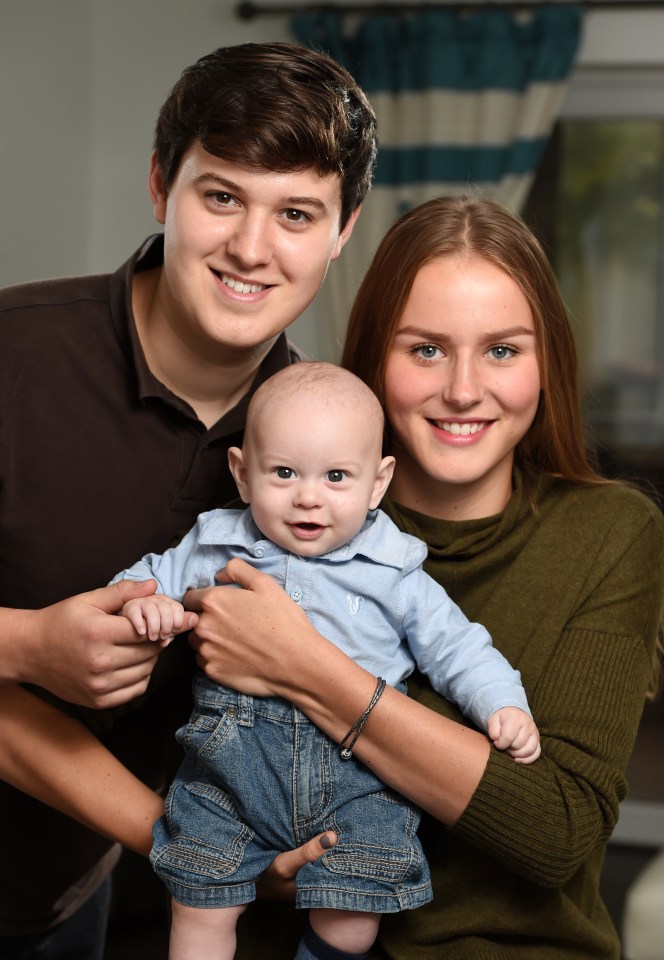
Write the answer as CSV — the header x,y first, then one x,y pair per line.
x,y
347,930
197,932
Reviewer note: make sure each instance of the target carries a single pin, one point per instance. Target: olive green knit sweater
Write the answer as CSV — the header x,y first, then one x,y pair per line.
x,y
571,593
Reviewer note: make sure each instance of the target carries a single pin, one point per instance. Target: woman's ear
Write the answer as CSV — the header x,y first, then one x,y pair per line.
x,y
239,471
382,481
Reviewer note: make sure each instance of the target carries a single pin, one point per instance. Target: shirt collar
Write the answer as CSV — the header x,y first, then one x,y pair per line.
x,y
379,540
148,256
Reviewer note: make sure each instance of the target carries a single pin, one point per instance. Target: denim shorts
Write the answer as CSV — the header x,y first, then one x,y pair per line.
x,y
259,778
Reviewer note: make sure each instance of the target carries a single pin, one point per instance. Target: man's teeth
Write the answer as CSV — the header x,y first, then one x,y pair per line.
x,y
241,287
460,429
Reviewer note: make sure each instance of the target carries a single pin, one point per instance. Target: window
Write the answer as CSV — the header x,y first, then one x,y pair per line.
x,y
597,203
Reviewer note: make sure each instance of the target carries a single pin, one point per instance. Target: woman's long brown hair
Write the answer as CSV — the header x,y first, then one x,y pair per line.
x,y
460,226
555,444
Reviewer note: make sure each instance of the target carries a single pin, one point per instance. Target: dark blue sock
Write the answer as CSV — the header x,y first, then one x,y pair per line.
x,y
313,948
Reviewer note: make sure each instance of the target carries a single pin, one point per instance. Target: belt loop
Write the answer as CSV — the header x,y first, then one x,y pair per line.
x,y
245,710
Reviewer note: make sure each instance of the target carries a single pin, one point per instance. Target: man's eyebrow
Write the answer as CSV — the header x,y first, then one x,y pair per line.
x,y
232,187
306,202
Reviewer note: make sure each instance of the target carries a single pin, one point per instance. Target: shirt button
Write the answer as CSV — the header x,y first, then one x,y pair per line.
x,y
259,550
296,594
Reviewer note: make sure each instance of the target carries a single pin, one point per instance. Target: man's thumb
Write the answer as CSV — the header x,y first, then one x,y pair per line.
x,y
111,599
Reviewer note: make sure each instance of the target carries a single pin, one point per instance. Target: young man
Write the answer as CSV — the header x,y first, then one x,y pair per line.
x,y
119,397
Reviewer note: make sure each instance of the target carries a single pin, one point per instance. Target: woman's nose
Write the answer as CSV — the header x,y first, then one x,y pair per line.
x,y
462,386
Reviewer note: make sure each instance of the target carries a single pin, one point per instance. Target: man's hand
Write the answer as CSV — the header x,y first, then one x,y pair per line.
x,y
79,650
278,881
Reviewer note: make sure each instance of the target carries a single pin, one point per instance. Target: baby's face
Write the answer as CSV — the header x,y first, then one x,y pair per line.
x,y
314,469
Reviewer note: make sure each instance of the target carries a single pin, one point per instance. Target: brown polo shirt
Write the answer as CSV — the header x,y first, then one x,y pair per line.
x,y
99,464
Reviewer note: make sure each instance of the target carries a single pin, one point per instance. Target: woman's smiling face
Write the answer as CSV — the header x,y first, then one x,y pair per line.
x,y
462,385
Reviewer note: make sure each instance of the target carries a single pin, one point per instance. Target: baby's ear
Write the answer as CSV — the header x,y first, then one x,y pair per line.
x,y
239,471
382,481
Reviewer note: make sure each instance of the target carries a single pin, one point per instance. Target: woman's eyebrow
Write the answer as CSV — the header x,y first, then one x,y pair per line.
x,y
504,334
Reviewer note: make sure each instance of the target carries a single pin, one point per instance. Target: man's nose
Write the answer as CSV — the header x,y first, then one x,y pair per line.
x,y
250,243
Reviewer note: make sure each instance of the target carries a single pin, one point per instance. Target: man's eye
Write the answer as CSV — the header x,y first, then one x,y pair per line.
x,y
293,215
335,476
222,198
284,473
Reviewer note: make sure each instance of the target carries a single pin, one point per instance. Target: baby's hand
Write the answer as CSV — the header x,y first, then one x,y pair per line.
x,y
157,617
514,731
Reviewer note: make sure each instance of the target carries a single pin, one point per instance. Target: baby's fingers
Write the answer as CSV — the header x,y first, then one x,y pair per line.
x,y
134,615
528,751
158,620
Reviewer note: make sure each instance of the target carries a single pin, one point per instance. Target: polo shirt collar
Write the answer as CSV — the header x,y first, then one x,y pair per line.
x,y
379,540
148,256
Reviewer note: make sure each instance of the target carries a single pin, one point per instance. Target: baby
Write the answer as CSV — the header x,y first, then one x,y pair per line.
x,y
258,777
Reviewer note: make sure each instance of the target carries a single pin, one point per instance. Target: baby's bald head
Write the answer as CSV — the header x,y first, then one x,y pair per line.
x,y
315,384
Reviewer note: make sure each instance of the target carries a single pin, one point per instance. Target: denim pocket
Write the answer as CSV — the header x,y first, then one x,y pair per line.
x,y
195,811
376,839
204,733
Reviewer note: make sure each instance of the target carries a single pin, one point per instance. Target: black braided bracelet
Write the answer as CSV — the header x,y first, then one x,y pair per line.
x,y
346,751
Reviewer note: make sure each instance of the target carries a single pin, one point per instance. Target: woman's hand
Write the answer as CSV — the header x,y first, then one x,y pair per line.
x,y
278,881
257,641
250,639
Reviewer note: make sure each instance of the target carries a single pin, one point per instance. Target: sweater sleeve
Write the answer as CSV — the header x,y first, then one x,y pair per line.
x,y
543,820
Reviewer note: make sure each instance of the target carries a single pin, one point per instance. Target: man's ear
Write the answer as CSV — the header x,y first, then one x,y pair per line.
x,y
382,481
157,189
239,471
344,236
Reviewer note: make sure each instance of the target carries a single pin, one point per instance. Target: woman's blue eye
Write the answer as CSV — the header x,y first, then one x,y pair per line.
x,y
335,476
501,352
427,351
284,473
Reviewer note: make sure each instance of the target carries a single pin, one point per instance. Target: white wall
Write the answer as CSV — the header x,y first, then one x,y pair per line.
x,y
81,82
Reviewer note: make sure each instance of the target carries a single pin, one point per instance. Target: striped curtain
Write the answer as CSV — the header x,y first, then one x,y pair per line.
x,y
465,102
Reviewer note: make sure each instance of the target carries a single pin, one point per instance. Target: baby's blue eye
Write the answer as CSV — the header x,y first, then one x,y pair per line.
x,y
284,473
335,476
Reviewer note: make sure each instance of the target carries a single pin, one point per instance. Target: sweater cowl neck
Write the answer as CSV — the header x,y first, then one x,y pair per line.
x,y
463,539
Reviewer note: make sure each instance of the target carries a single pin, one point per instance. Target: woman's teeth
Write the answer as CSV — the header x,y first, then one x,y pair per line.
x,y
241,287
460,429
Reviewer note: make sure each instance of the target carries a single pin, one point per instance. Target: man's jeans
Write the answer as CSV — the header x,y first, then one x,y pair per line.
x,y
81,937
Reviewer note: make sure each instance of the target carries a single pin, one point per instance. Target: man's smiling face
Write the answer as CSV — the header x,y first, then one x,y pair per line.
x,y
246,250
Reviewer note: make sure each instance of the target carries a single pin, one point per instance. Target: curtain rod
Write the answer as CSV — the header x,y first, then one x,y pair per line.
x,y
247,10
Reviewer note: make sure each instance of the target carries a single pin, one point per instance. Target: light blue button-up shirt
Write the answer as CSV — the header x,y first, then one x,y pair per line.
x,y
370,597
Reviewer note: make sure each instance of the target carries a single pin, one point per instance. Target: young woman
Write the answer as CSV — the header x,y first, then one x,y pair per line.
x,y
460,329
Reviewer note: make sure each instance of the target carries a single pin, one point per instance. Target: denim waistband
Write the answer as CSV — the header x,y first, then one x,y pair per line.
x,y
212,696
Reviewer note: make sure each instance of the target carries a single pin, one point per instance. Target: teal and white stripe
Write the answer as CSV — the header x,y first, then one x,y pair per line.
x,y
465,102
